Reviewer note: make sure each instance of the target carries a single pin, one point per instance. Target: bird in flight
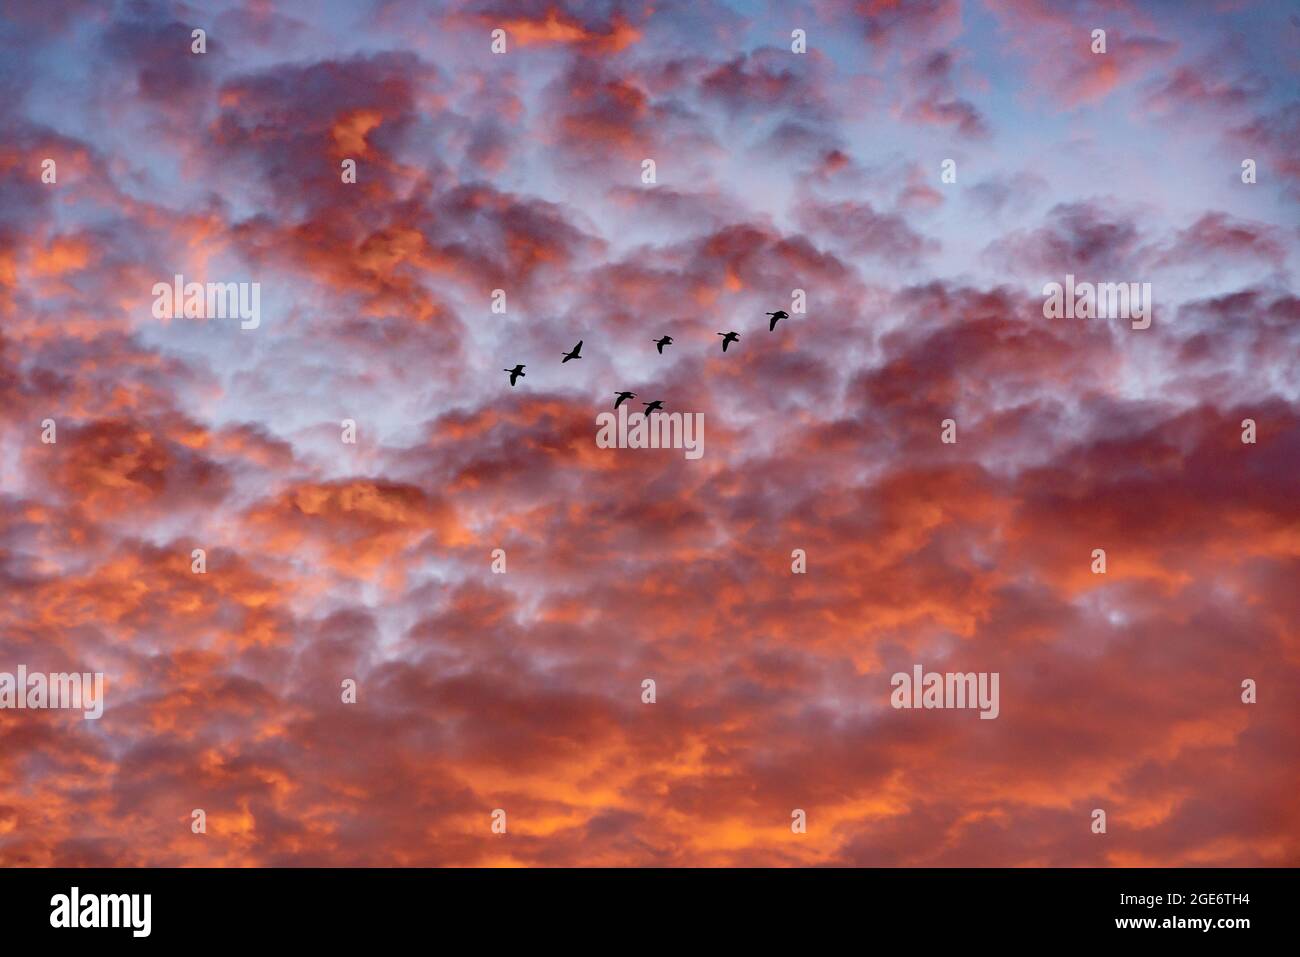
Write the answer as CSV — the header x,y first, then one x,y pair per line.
x,y
665,341
573,354
622,397
655,406
728,338
515,373
777,317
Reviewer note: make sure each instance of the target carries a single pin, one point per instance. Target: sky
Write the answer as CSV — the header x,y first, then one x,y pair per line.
x,y
916,468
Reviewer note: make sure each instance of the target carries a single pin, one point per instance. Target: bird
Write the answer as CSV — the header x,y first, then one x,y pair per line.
x,y
573,354
655,406
665,341
728,338
777,317
515,373
622,396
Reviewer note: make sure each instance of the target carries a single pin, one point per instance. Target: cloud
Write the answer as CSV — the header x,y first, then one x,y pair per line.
x,y
782,178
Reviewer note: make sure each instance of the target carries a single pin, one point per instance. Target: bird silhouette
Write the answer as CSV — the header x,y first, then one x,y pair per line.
x,y
623,396
515,373
777,317
573,354
655,406
665,341
728,338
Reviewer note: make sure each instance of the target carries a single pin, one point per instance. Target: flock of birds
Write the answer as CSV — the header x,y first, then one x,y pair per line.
x,y
728,338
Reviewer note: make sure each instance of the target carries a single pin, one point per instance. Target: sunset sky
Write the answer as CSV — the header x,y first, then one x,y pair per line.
x,y
774,171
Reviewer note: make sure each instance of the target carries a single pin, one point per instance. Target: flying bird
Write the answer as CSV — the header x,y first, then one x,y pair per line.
x,y
515,373
728,338
573,354
622,397
665,341
655,406
777,317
